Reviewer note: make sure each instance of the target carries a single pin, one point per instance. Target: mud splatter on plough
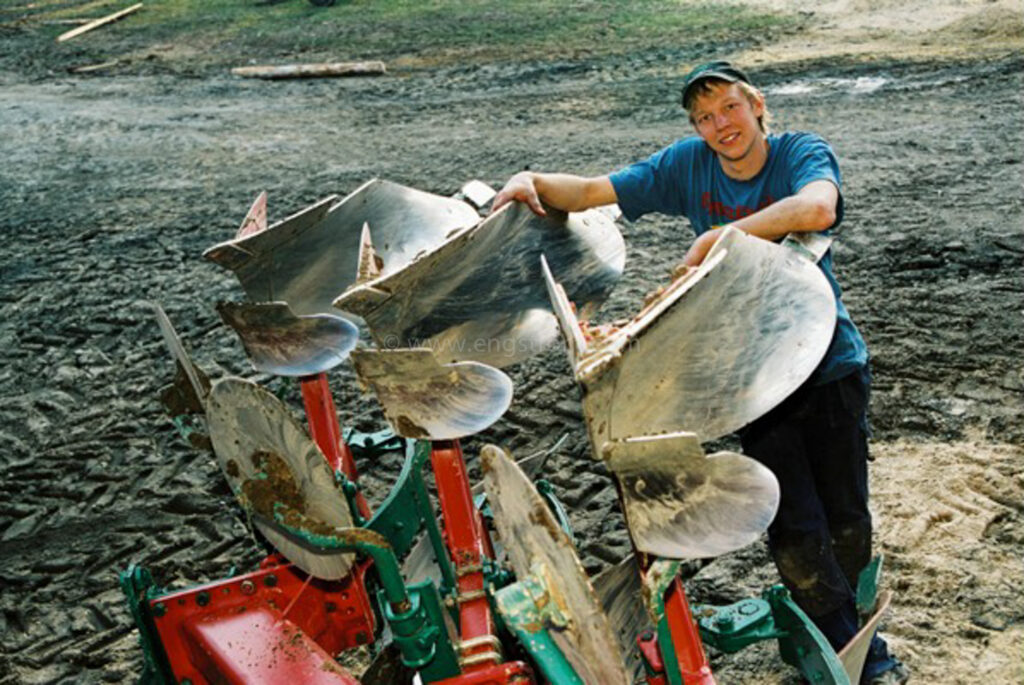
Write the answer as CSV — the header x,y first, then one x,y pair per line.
x,y
448,297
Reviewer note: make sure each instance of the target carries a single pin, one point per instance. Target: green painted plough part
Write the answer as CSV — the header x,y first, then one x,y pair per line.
x,y
420,623
138,588
370,445
407,509
867,587
773,617
414,613
527,608
777,617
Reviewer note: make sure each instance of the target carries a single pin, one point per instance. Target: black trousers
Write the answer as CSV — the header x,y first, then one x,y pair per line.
x,y
815,443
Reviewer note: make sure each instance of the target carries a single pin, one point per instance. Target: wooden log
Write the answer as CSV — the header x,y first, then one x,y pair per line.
x,y
94,67
68,35
323,70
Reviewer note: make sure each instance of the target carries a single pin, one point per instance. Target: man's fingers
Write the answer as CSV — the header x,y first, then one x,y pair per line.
x,y
531,200
534,202
500,200
519,187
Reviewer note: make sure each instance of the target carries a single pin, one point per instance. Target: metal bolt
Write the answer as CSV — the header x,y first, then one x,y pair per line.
x,y
248,587
186,681
270,580
647,636
159,609
203,598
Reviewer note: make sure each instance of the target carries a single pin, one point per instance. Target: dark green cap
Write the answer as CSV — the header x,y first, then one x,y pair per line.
x,y
718,69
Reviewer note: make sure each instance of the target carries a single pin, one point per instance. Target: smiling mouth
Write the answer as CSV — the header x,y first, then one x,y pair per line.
x,y
729,139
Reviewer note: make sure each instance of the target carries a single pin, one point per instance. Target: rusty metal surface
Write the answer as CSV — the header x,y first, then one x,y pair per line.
x,y
480,296
280,343
309,258
681,504
253,435
422,398
718,348
533,539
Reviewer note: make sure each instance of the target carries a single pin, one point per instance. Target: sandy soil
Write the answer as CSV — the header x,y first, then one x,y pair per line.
x,y
869,29
112,187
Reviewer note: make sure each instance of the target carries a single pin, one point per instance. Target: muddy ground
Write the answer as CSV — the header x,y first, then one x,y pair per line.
x,y
111,187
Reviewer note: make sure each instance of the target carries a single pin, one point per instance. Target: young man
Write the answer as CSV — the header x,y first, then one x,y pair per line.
x,y
734,172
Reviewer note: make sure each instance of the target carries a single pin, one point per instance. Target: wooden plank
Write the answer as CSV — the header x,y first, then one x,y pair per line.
x,y
68,35
94,67
322,70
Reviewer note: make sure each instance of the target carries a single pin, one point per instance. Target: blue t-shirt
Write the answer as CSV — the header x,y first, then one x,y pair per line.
x,y
687,179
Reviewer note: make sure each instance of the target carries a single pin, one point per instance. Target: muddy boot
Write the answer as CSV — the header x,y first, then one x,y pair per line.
x,y
897,675
881,668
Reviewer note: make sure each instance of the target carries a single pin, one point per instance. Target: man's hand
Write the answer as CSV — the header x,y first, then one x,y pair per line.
x,y
522,187
699,250
562,191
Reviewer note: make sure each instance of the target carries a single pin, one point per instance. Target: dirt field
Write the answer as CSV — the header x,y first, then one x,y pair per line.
x,y
112,185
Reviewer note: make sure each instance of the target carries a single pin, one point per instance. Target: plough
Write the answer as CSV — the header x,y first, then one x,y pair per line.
x,y
471,587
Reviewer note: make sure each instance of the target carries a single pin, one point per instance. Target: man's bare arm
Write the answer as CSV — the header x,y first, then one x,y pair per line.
x,y
562,191
811,209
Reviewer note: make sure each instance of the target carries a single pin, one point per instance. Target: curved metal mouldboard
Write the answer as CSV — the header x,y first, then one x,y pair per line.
x,y
717,349
280,343
424,399
533,539
268,458
309,258
680,504
480,296
197,380
619,589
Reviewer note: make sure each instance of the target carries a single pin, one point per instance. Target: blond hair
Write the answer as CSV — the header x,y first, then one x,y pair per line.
x,y
703,87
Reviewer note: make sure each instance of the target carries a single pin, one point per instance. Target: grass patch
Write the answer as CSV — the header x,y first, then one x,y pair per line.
x,y
199,34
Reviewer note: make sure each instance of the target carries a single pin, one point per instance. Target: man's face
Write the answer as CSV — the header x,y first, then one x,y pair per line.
x,y
727,120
